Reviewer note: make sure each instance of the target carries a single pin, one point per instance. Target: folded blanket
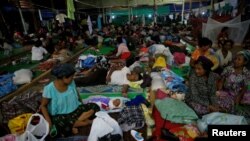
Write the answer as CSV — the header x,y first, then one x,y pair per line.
x,y
175,111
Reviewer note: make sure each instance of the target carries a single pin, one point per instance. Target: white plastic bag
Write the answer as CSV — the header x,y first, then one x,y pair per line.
x,y
41,130
22,76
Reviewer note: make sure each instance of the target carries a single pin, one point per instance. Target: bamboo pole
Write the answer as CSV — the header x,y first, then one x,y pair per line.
x,y
182,11
28,86
21,16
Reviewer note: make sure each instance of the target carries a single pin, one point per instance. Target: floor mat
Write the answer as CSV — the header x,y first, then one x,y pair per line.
x,y
103,89
102,51
108,90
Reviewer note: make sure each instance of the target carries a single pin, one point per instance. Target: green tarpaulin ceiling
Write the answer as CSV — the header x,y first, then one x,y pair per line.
x,y
161,10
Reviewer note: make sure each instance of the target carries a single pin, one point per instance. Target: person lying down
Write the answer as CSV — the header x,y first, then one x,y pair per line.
x,y
116,103
107,103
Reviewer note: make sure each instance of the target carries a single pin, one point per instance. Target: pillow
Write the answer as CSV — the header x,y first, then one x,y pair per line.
x,y
22,76
176,111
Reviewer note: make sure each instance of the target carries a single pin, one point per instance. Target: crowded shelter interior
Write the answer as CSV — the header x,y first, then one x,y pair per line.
x,y
122,70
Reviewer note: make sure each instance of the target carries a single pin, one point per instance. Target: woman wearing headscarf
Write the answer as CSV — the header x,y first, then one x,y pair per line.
x,y
61,104
202,87
234,82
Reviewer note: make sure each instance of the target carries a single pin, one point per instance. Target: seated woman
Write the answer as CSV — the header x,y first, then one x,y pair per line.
x,y
223,35
202,87
225,55
61,104
234,82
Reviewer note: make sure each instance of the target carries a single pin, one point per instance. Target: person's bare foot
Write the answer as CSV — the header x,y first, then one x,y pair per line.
x,y
74,130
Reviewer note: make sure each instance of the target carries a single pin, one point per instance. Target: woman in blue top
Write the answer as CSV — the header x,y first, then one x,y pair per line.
x,y
61,104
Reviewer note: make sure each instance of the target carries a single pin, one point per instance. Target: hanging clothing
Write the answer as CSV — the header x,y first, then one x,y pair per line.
x,y
61,18
71,9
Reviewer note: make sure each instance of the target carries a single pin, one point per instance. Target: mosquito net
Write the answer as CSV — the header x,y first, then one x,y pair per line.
x,y
237,29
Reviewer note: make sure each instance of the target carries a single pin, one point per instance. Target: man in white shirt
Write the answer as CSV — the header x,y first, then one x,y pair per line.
x,y
38,51
224,54
119,77
8,48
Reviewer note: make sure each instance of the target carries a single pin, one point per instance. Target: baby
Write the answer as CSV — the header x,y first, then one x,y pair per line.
x,y
106,103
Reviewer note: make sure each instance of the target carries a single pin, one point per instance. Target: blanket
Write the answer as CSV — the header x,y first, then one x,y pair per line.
x,y
108,90
175,111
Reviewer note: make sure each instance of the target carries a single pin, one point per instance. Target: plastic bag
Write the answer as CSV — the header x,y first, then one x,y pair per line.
x,y
18,124
37,129
6,84
88,62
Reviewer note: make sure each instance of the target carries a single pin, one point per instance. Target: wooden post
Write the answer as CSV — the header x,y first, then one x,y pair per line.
x,y
182,11
5,28
132,14
128,11
190,5
21,16
155,12
52,4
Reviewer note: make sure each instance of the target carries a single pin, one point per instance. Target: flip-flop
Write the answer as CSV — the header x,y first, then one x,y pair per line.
x,y
136,135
